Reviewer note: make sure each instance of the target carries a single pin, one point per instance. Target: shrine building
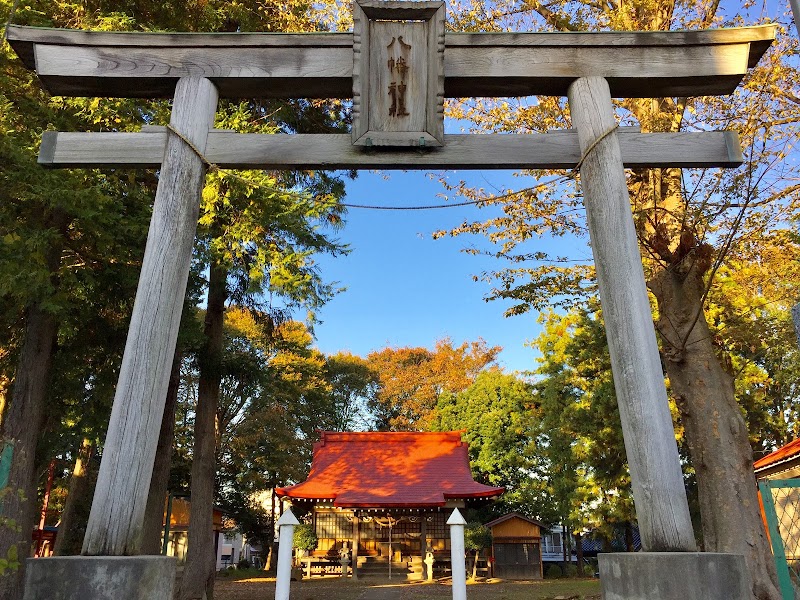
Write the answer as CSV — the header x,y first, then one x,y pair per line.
x,y
387,495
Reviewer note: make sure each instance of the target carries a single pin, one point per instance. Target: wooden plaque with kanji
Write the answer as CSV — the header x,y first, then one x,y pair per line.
x,y
398,73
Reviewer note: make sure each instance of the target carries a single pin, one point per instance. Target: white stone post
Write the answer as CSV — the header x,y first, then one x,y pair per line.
x,y
285,542
123,483
458,564
657,482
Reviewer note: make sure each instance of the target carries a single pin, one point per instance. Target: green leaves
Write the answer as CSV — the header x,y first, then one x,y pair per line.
x,y
304,537
477,536
500,415
581,435
10,562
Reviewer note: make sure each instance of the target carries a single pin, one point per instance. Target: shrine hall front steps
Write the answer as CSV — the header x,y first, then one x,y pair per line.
x,y
378,566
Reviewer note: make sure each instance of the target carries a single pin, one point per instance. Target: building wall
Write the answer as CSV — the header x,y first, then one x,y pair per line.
x,y
516,528
334,527
517,558
788,470
516,548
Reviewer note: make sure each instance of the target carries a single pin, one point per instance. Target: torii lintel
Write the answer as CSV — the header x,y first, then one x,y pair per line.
x,y
635,64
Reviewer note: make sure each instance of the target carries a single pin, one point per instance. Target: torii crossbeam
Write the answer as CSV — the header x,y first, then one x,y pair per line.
x,y
398,66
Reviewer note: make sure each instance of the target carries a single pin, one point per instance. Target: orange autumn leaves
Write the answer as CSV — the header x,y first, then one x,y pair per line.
x,y
412,379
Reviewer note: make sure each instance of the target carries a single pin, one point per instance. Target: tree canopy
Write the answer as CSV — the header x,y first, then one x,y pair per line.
x,y
410,380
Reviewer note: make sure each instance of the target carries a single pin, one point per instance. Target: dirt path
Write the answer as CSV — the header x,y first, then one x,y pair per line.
x,y
380,593
337,589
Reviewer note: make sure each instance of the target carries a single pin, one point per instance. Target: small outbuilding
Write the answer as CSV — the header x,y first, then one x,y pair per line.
x,y
779,495
784,463
516,547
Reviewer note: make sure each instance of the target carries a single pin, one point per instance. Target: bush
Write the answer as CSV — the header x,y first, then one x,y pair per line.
x,y
244,564
571,571
477,536
305,538
553,572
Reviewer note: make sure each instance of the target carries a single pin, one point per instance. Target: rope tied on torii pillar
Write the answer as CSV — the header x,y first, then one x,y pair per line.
x,y
213,167
593,145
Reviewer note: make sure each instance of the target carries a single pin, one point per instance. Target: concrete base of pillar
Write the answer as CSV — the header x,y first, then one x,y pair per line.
x,y
100,578
673,575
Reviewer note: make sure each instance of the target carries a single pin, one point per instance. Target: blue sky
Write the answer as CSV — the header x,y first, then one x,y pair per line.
x,y
406,289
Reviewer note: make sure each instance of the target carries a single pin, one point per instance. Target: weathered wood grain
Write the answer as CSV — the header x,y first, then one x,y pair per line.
x,y
380,78
632,71
557,149
117,517
636,64
658,491
436,77
361,44
278,69
22,37
390,101
400,9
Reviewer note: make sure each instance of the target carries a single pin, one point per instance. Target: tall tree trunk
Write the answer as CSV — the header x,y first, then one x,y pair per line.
x,y
154,513
715,429
198,575
22,424
629,545
79,500
5,384
23,419
268,559
39,546
579,550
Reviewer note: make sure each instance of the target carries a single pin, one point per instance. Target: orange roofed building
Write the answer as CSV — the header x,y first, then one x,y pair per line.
x,y
387,495
784,463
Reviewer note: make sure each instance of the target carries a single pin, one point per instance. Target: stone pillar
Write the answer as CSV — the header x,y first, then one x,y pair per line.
x,y
344,559
458,564
429,560
424,554
285,542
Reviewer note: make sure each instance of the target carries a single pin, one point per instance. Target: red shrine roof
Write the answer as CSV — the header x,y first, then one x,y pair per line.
x,y
389,469
780,455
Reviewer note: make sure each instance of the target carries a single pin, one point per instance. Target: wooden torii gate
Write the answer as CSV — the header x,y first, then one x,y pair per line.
x,y
398,66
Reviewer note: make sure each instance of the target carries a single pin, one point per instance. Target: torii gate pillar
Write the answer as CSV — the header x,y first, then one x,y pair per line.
x,y
658,491
669,567
123,483
114,531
